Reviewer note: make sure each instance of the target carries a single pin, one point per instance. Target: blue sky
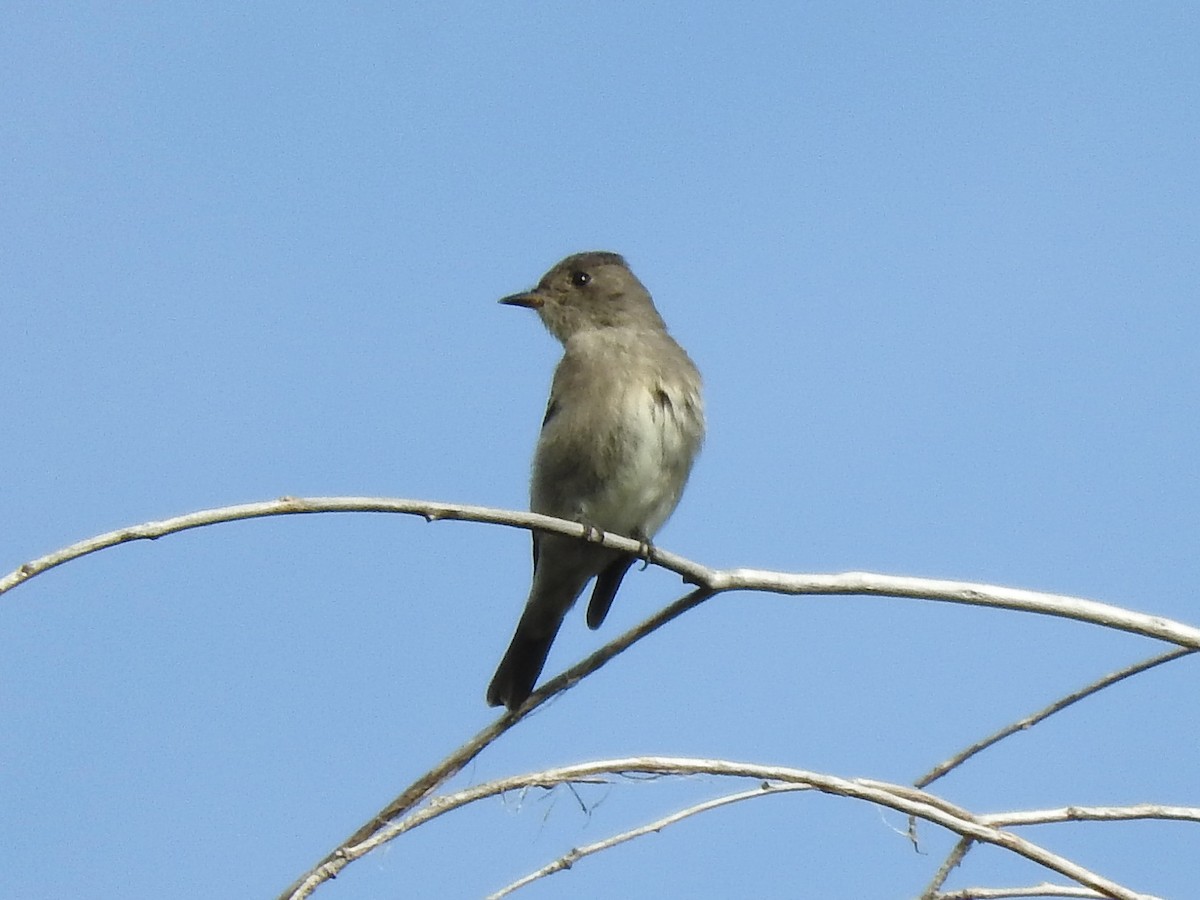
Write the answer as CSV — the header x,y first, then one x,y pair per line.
x,y
938,263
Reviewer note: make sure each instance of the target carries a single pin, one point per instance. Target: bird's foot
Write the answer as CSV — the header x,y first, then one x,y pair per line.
x,y
591,533
645,553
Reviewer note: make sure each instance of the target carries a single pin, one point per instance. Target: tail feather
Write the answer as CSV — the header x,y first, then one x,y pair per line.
x,y
562,568
519,669
608,582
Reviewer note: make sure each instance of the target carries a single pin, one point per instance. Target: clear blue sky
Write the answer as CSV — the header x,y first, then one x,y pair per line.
x,y
938,263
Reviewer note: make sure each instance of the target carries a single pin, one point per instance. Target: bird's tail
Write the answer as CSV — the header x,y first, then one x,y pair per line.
x,y
522,664
607,583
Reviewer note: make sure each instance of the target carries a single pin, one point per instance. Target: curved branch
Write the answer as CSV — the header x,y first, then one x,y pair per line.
x,y
714,580
568,859
709,582
899,797
429,510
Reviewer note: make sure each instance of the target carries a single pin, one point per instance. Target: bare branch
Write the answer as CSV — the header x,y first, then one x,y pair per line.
x,y
1057,706
715,581
567,860
951,862
431,511
709,582
415,793
899,797
1093,814
1027,722
1037,890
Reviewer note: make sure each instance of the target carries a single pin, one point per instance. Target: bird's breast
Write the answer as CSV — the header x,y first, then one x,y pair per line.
x,y
621,463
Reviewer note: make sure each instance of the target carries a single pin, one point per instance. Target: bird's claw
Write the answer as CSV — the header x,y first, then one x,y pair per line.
x,y
591,533
645,553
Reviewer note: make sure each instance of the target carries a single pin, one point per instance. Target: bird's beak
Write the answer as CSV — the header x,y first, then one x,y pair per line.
x,y
528,299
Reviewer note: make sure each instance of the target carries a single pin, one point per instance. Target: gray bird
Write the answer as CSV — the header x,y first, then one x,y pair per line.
x,y
623,425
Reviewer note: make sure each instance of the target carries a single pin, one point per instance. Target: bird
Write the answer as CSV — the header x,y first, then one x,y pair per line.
x,y
622,429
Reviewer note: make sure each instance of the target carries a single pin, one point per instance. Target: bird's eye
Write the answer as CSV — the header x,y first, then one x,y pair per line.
x,y
579,279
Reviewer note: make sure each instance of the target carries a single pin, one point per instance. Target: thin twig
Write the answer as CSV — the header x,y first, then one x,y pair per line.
x,y
951,862
567,860
1057,706
1023,724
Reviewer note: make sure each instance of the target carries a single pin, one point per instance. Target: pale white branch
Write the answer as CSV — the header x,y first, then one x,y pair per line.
x,y
899,797
709,581
953,859
714,580
1057,706
1036,890
1027,722
1092,814
567,860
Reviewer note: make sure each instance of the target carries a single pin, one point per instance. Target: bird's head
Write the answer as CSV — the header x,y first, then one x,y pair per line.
x,y
586,291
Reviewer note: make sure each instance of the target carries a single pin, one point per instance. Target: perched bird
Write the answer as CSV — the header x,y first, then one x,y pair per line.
x,y
623,425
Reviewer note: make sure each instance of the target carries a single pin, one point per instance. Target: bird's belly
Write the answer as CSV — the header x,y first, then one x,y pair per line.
x,y
644,486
